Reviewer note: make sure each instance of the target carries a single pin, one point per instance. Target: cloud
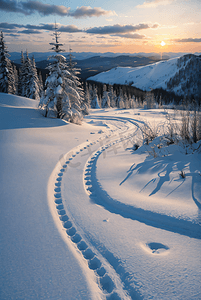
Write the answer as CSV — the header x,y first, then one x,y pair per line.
x,y
31,7
134,36
30,31
119,29
75,41
125,31
36,29
45,9
13,34
188,40
155,25
154,3
87,11
49,27
116,29
10,6
69,28
6,25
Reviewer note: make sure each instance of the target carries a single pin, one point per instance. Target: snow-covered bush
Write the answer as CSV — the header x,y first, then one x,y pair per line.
x,y
149,132
183,130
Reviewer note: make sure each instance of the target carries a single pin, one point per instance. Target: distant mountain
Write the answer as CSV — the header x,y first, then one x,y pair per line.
x,y
97,64
39,56
181,75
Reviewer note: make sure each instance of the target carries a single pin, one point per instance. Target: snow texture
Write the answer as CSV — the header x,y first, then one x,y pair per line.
x,y
84,216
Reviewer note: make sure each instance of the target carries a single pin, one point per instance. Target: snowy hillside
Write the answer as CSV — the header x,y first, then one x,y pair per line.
x,y
179,75
84,217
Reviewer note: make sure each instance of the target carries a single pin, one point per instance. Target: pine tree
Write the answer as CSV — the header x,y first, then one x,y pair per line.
x,y
28,78
120,100
22,78
112,96
105,99
34,84
132,102
61,99
92,92
126,101
16,79
77,104
40,84
7,76
150,101
87,98
95,101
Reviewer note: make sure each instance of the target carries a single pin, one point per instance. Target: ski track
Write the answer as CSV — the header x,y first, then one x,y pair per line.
x,y
107,279
107,276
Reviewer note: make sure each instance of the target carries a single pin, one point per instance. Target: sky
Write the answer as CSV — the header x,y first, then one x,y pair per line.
x,y
129,26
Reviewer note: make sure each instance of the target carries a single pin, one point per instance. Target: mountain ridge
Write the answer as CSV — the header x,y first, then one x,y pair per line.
x,y
181,75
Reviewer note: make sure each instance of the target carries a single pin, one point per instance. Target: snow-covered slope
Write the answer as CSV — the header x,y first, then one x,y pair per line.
x,y
83,217
179,75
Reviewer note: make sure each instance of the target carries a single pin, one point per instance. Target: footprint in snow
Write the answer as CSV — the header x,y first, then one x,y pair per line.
x,y
157,248
58,201
76,238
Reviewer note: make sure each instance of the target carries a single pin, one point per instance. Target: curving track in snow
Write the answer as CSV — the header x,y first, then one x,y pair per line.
x,y
107,279
77,169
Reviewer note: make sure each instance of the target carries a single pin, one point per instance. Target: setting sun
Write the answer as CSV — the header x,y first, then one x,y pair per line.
x,y
163,43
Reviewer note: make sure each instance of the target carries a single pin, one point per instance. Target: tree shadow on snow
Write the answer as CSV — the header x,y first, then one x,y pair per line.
x,y
24,117
100,197
165,166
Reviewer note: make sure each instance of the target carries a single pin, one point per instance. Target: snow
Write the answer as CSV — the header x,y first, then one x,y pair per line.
x,y
58,90
148,77
83,216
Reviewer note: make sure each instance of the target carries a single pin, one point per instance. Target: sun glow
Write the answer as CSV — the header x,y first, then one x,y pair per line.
x,y
163,43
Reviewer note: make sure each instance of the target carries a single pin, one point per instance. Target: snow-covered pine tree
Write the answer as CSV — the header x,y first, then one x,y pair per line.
x,y
77,104
120,100
7,76
33,90
95,100
132,102
59,92
40,84
112,96
91,93
126,101
29,85
16,79
87,98
22,77
105,99
150,101
27,63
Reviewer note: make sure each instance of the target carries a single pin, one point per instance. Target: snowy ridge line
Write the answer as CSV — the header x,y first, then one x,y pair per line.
x,y
108,283
99,196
